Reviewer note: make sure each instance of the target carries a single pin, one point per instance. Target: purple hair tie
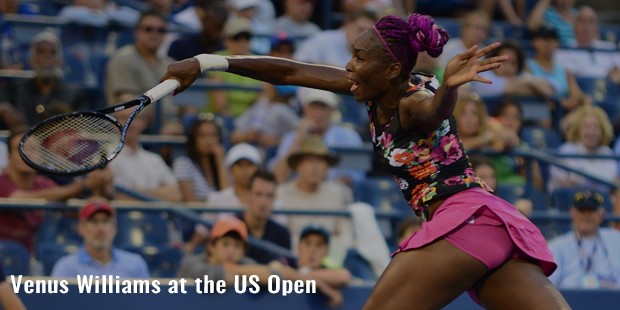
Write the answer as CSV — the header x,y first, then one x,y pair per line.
x,y
385,43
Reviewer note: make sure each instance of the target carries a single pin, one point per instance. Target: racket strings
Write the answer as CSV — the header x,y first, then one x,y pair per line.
x,y
73,143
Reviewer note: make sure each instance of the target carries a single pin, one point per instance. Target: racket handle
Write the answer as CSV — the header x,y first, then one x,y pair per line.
x,y
162,89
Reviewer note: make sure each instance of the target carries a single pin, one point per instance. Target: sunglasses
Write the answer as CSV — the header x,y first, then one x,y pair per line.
x,y
242,36
150,29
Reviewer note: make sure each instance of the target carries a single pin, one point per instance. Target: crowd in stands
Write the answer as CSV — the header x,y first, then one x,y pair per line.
x,y
258,147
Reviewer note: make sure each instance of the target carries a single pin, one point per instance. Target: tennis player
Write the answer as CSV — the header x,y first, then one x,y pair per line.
x,y
471,240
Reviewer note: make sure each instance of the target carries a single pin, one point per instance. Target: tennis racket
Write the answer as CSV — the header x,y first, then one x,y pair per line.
x,y
79,142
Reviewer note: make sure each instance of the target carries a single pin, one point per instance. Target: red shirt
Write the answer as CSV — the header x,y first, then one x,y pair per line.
x,y
21,225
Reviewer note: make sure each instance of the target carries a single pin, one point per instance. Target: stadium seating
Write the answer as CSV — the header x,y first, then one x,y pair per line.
x,y
14,258
137,229
358,266
163,261
48,253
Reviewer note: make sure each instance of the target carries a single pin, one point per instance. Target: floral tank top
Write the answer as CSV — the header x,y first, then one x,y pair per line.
x,y
426,166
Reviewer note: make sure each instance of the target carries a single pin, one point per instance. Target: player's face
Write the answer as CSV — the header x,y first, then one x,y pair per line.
x,y
98,231
368,68
226,250
262,194
312,250
150,33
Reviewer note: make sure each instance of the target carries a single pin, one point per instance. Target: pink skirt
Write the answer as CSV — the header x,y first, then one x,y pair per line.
x,y
461,208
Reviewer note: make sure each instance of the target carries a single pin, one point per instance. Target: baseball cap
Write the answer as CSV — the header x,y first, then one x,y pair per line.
x,y
309,95
281,38
235,26
242,151
588,200
228,224
92,207
315,229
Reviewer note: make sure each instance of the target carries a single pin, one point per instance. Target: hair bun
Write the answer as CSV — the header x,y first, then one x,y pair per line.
x,y
426,35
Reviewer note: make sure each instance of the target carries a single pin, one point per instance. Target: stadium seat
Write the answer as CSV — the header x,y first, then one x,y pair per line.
x,y
137,229
381,193
14,258
48,253
358,266
541,138
59,228
163,261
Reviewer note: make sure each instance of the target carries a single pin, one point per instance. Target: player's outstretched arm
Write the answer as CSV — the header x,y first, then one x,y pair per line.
x,y
269,69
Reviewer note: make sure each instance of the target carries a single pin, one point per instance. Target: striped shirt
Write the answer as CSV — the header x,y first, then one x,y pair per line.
x,y
186,170
564,27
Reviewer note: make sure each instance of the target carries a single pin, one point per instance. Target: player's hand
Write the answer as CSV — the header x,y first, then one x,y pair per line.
x,y
185,71
465,67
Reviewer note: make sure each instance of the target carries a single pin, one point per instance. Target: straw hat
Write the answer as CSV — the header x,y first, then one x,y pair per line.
x,y
312,146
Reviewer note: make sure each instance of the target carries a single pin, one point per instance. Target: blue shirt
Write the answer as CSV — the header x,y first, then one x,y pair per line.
x,y
601,255
123,264
557,76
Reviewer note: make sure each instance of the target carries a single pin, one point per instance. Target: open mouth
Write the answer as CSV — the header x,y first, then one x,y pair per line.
x,y
355,85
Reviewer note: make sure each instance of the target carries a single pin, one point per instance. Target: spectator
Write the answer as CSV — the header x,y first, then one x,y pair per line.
x,y
296,19
46,94
510,78
242,161
318,107
475,129
270,117
232,103
136,68
8,299
140,170
473,29
587,32
201,171
597,59
98,256
558,14
212,15
407,227
543,65
18,180
250,10
512,170
312,251
10,52
587,256
257,218
333,47
225,258
98,13
485,170
310,191
588,131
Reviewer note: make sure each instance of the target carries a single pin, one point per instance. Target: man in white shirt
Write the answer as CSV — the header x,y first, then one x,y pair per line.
x,y
141,170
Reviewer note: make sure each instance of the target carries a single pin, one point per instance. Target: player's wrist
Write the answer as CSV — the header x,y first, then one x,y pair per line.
x,y
209,62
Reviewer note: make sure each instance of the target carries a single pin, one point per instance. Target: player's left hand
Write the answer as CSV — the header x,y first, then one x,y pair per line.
x,y
465,67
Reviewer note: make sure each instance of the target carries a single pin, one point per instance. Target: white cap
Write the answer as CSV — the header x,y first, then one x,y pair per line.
x,y
309,95
242,151
244,4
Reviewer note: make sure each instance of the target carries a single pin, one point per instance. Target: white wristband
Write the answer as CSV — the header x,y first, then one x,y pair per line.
x,y
209,62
